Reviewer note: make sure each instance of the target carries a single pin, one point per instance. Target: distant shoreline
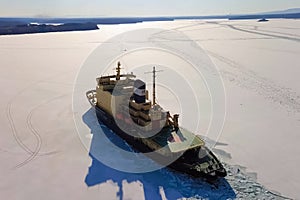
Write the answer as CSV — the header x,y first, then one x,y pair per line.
x,y
31,28
14,26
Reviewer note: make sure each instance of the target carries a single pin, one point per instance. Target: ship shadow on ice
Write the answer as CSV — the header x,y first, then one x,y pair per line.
x,y
159,184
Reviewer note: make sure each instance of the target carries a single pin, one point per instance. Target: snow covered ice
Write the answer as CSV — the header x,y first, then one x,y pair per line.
x,y
43,157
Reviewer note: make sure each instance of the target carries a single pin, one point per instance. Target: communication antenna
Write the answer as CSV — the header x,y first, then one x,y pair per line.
x,y
154,71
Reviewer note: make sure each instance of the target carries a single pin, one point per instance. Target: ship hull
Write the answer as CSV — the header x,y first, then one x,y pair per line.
x,y
178,165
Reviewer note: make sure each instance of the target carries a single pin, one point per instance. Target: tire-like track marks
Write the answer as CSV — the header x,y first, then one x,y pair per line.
x,y
36,134
250,80
294,39
12,123
38,138
15,133
277,32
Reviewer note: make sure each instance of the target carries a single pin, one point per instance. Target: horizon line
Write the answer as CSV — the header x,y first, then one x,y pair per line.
x,y
41,16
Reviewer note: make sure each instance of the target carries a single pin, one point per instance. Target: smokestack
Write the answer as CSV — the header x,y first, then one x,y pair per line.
x,y
176,123
139,91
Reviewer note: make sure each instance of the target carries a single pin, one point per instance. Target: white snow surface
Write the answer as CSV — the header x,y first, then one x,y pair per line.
x,y
43,157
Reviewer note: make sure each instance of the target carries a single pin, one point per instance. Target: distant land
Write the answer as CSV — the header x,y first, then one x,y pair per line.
x,y
293,13
10,26
45,28
288,11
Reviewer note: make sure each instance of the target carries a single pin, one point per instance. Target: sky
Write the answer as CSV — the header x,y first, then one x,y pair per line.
x,y
111,8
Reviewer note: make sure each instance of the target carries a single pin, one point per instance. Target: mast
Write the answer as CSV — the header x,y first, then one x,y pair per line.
x,y
118,70
154,76
154,84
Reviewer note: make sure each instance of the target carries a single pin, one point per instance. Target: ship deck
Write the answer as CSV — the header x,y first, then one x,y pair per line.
x,y
179,141
176,141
